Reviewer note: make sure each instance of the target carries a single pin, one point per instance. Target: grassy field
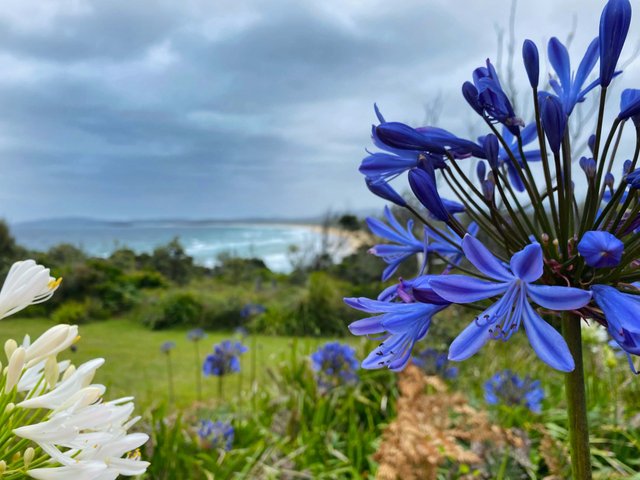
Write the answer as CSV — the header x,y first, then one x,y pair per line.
x,y
136,366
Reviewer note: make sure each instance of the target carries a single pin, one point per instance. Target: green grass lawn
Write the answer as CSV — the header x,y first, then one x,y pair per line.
x,y
135,366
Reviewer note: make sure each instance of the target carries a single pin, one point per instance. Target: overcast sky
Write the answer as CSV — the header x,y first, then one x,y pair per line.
x,y
126,109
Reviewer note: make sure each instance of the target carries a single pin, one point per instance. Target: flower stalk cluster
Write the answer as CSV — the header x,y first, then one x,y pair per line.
x,y
54,423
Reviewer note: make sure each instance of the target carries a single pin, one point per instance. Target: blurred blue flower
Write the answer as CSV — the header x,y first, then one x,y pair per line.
x,y
503,318
196,334
167,346
600,249
241,332
507,388
335,364
614,26
405,243
225,359
216,435
434,362
251,309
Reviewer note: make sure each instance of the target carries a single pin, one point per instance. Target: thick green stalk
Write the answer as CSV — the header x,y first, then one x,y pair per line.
x,y
576,401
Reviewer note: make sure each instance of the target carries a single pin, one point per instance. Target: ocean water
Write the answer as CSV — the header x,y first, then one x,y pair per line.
x,y
203,241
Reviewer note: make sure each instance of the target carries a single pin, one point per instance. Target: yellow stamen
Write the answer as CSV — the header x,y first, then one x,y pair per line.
x,y
134,455
54,283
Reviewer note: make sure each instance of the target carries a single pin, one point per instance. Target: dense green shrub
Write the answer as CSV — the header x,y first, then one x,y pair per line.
x,y
175,309
72,312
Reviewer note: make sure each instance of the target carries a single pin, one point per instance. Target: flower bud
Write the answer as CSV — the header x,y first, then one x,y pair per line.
x,y
491,147
626,167
9,347
470,94
629,104
14,369
51,342
424,188
588,165
488,187
633,178
29,453
531,62
71,369
554,120
481,170
51,371
592,143
614,26
609,180
382,189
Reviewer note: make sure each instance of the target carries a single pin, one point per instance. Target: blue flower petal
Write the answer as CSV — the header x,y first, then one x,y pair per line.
x,y
546,341
622,310
463,289
477,333
527,264
559,59
483,259
559,298
584,69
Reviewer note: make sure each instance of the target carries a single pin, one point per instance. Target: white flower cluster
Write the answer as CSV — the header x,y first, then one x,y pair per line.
x,y
54,404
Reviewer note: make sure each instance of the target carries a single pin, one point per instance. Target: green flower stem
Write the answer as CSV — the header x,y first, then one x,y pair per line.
x,y
198,371
576,402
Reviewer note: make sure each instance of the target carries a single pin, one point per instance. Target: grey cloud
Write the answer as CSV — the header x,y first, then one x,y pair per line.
x,y
219,109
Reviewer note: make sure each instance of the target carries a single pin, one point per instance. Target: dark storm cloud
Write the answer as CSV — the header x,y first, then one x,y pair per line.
x,y
126,109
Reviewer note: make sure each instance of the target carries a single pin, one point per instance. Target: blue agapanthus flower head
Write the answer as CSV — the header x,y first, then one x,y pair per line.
x,y
507,388
196,334
335,364
434,362
600,249
216,435
225,359
167,346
